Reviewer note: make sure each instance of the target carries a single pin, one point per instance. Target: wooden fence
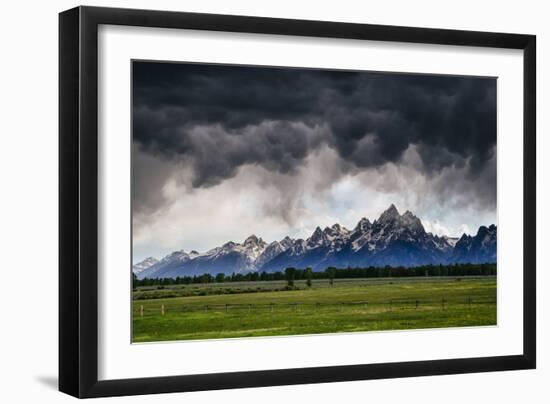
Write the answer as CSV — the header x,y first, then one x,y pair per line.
x,y
389,305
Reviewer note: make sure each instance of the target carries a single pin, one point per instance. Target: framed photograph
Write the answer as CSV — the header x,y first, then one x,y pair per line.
x,y
251,201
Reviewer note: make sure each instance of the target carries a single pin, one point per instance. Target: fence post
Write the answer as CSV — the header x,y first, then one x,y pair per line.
x,y
141,310
271,307
391,304
416,306
249,307
205,308
443,303
226,307
162,309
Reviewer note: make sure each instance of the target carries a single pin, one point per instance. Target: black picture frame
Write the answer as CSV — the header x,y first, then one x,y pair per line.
x,y
78,201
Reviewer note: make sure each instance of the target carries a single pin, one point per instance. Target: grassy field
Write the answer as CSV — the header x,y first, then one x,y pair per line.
x,y
247,309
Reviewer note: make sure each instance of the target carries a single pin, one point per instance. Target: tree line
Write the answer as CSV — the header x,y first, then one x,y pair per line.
x,y
292,274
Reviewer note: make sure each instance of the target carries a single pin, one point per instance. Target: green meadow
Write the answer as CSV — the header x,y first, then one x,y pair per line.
x,y
266,308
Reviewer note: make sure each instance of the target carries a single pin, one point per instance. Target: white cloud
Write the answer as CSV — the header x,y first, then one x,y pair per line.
x,y
273,205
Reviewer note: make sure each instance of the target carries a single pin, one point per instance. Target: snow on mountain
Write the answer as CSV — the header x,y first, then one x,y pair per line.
x,y
392,239
250,250
390,226
181,256
143,265
451,240
272,250
173,260
317,239
253,247
337,235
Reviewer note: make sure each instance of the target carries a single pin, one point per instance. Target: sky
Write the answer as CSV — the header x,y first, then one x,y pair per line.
x,y
221,152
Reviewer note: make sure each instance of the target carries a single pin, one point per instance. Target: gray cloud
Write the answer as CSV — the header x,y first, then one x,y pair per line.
x,y
212,120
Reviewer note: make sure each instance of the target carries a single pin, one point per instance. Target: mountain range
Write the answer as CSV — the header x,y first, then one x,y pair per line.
x,y
393,239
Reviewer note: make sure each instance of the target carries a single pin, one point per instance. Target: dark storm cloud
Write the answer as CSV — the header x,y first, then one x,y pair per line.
x,y
218,118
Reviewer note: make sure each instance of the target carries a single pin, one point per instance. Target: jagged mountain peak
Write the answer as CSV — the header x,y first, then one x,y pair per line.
x,y
317,239
286,242
389,214
479,248
411,221
149,260
407,222
254,240
336,231
392,239
363,225
341,229
317,234
144,264
229,244
251,238
178,253
486,230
